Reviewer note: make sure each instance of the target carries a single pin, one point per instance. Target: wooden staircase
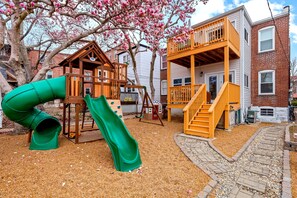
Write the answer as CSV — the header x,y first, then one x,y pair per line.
x,y
199,125
201,119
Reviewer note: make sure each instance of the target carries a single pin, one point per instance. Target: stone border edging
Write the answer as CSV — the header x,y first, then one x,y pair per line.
x,y
286,184
212,183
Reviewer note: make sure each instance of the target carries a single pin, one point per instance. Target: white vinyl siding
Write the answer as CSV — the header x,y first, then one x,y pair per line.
x,y
164,87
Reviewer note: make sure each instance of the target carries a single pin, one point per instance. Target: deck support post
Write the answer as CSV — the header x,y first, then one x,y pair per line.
x,y
192,75
226,72
168,90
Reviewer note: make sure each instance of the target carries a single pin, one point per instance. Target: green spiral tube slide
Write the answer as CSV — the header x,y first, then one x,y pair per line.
x,y
18,105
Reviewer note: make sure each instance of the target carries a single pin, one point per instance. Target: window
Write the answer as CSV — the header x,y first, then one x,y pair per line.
x,y
246,80
266,39
87,90
126,59
233,23
177,82
88,74
164,62
188,81
267,112
49,74
246,35
164,87
266,82
131,89
104,75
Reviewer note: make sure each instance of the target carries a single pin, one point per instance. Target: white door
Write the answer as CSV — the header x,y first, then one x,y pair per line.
x,y
215,81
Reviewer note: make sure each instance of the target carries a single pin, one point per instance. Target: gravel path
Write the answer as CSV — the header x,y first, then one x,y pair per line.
x,y
257,171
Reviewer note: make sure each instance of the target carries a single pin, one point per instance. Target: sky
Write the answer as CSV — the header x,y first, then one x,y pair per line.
x,y
257,9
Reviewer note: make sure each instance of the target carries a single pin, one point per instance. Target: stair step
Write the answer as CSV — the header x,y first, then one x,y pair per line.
x,y
203,113
199,127
206,106
197,133
203,110
204,118
201,122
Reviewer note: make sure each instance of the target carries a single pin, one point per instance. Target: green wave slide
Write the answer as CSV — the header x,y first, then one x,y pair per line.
x,y
123,146
18,105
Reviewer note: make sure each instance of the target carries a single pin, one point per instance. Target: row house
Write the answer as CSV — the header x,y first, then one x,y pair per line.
x,y
228,66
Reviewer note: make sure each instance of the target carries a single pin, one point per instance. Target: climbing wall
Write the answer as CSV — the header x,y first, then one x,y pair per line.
x,y
116,107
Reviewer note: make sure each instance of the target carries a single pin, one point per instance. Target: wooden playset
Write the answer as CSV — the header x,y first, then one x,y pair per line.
x,y
89,71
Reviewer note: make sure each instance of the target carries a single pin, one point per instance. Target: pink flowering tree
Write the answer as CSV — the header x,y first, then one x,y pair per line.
x,y
158,22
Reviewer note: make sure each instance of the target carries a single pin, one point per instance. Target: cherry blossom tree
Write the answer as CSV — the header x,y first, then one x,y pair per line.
x,y
158,23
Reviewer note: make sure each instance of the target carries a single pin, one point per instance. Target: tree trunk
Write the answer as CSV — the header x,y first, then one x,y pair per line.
x,y
154,55
136,72
4,86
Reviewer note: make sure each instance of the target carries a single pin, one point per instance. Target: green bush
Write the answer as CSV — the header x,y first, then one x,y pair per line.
x,y
294,103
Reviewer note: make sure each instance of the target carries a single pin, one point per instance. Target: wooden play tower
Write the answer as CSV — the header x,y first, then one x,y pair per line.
x,y
89,71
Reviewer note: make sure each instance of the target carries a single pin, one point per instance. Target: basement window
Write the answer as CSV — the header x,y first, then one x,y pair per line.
x,y
267,112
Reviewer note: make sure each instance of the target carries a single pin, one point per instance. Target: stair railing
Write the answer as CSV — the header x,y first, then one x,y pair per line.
x,y
218,107
194,105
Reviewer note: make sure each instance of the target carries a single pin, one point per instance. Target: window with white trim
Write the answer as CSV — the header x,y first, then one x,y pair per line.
x,y
129,88
266,39
188,81
266,82
49,74
164,62
246,80
164,87
267,112
177,82
126,59
246,35
233,23
105,75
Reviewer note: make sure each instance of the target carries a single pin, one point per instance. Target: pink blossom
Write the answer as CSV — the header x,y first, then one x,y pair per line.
x,y
11,5
32,4
23,5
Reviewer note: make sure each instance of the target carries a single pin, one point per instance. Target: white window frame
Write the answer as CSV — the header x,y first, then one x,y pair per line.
x,y
273,39
248,35
177,84
185,80
273,82
233,21
105,75
246,81
164,88
88,74
163,62
267,116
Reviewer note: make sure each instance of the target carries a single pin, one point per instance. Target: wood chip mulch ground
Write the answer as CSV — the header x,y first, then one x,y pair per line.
x,y
86,170
230,142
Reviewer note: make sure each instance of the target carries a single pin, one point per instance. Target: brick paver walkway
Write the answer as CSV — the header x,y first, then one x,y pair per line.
x,y
258,171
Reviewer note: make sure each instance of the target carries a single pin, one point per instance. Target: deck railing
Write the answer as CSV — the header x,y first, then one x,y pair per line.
x,y
181,94
195,103
203,36
234,93
217,108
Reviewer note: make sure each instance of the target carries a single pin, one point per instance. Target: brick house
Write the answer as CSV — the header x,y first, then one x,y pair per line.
x,y
270,79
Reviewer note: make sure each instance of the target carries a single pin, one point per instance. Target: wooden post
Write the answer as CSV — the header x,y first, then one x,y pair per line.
x,y
226,63
77,109
81,72
64,118
102,76
192,75
168,90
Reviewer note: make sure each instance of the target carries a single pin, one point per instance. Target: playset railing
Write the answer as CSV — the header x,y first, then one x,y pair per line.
x,y
181,94
194,105
99,85
202,36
